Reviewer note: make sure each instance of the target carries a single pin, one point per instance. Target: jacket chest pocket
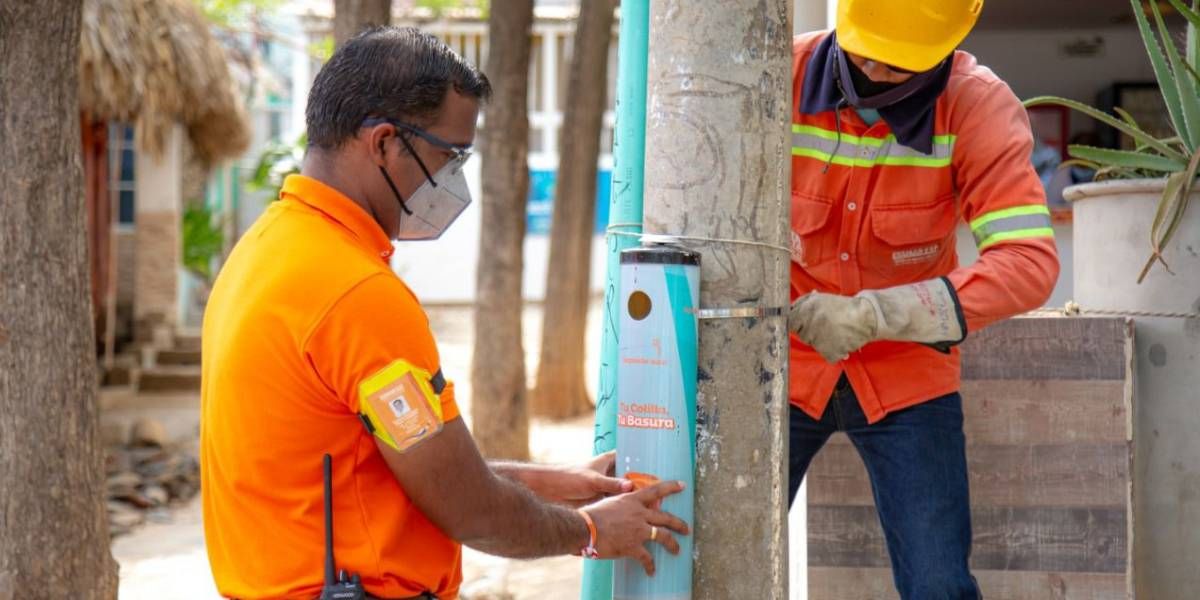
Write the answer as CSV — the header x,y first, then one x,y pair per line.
x,y
814,232
908,242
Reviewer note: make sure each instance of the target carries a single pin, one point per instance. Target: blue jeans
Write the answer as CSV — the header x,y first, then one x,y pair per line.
x,y
917,461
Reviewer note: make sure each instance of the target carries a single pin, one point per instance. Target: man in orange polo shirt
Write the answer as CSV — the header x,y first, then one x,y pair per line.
x,y
313,346
896,135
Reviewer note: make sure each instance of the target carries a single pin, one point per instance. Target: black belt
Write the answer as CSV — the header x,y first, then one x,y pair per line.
x,y
421,596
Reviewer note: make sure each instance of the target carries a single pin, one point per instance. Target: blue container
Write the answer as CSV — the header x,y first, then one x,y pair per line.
x,y
656,402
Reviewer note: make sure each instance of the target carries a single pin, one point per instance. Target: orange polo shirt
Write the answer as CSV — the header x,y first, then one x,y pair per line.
x,y
305,308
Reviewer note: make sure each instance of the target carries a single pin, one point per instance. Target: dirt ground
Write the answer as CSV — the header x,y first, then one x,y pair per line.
x,y
166,560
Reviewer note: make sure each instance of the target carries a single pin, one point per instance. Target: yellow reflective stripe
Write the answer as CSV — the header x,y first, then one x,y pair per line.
x,y
837,160
914,161
833,136
1004,236
1016,211
861,141
895,161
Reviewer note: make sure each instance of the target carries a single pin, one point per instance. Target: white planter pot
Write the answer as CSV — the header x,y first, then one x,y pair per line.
x,y
1112,243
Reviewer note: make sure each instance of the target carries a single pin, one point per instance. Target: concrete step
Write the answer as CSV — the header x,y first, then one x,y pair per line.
x,y
124,371
177,357
170,378
187,341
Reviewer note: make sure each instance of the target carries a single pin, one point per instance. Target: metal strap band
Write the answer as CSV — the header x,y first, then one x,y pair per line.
x,y
740,312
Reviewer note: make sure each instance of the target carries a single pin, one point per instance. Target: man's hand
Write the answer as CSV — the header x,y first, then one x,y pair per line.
x,y
833,325
588,482
626,522
573,485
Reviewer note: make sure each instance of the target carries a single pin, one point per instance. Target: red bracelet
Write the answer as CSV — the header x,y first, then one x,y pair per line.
x,y
589,551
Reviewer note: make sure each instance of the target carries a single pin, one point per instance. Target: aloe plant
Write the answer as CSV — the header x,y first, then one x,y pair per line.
x,y
1175,157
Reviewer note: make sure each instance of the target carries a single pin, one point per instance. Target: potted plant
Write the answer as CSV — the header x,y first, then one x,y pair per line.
x,y
1135,217
1169,163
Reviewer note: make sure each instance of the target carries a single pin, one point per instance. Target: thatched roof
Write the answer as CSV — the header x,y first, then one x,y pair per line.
x,y
155,63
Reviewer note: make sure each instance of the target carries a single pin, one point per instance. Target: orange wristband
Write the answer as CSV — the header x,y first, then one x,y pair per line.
x,y
589,551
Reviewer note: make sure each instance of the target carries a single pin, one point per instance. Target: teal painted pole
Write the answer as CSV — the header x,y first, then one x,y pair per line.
x,y
624,216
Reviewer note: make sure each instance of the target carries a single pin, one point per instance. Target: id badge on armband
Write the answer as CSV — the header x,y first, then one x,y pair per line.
x,y
400,404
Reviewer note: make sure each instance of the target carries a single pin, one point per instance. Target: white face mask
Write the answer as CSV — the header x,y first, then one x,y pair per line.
x,y
434,206
430,211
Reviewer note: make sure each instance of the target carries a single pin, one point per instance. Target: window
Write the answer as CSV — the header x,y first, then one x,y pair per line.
x,y
122,166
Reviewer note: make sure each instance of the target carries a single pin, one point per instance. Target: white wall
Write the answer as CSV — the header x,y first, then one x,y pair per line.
x,y
1033,65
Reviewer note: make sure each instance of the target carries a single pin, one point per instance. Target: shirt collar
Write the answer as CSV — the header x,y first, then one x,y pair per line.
x,y
819,91
340,208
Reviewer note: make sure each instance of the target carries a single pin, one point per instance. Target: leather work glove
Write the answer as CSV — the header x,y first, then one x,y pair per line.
x,y
927,312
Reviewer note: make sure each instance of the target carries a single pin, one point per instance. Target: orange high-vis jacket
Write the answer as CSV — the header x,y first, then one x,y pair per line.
x,y
304,310
870,213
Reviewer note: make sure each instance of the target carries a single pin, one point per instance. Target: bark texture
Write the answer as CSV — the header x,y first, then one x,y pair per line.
x,y
561,389
352,16
54,539
500,417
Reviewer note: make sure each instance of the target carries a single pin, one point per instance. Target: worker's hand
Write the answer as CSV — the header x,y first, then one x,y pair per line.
x,y
625,523
585,483
833,325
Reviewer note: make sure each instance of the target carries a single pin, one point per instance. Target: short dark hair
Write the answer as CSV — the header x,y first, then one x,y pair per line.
x,y
393,72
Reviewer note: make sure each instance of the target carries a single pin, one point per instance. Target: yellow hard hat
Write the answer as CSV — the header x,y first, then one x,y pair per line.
x,y
914,35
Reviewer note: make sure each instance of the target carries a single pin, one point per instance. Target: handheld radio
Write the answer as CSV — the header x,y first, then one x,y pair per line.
x,y
340,586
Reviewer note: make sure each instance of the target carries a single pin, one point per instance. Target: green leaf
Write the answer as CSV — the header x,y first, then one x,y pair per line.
x,y
1107,173
230,13
1168,197
1189,96
1166,79
1192,16
1171,209
1125,116
1137,134
322,49
1192,71
202,239
1184,198
1126,158
1079,162
1192,41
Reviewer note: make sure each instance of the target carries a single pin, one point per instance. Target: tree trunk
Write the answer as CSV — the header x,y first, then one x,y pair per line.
x,y
561,389
53,524
498,410
352,16
718,150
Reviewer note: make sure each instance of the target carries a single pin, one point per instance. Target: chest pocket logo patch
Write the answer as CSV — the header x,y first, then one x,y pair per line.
x,y
916,256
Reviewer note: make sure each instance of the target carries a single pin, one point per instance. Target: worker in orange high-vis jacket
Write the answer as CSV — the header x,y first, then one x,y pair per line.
x,y
895,137
312,346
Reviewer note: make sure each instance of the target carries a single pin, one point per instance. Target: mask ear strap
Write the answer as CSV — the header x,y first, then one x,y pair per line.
x,y
420,163
395,191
